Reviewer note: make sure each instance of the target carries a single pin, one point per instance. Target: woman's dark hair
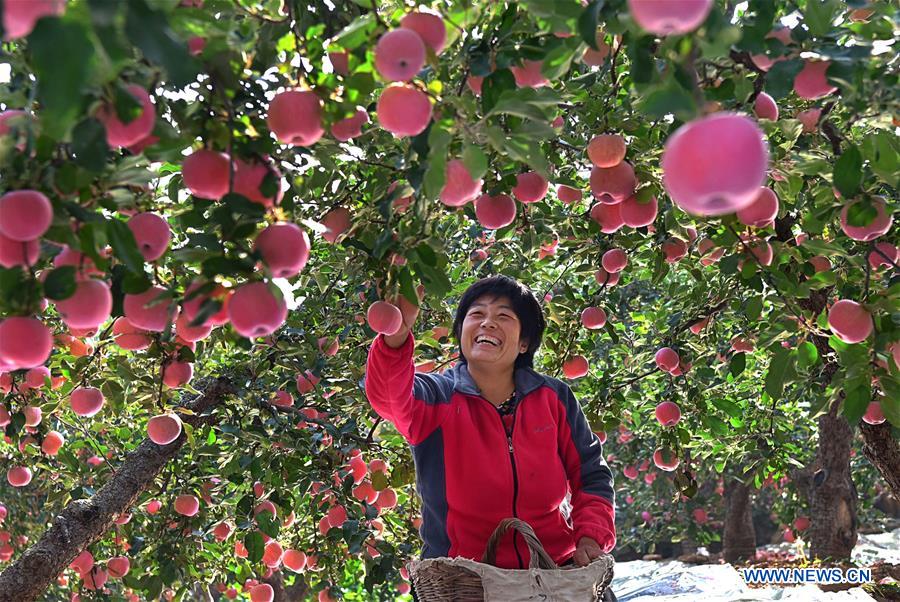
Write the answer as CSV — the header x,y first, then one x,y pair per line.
x,y
524,304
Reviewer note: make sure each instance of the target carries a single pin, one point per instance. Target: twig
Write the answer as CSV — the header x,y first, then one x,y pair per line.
x,y
259,17
377,16
765,275
371,435
868,278
633,380
886,258
702,315
563,273
96,353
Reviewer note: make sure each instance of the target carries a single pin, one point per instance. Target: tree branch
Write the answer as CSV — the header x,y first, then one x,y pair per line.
x,y
83,522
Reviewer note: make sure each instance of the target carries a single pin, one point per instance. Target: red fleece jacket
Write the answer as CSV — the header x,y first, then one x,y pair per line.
x,y
470,475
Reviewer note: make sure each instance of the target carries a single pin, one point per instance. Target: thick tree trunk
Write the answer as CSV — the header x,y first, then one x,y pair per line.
x,y
82,522
882,450
833,495
738,541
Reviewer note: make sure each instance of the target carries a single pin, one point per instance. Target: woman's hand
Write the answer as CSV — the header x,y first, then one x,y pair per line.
x,y
586,551
409,312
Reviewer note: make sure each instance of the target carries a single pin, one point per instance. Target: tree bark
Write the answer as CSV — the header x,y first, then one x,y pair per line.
x,y
83,522
739,540
882,450
833,494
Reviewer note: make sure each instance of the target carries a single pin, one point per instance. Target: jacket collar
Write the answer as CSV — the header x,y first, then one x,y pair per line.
x,y
526,379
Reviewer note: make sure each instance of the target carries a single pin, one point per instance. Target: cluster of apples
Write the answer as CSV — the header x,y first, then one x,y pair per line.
x,y
613,262
613,185
676,17
31,387
295,116
26,342
730,181
492,211
275,555
850,320
668,414
94,576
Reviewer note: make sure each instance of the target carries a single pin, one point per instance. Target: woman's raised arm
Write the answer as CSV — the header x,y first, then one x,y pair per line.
x,y
416,405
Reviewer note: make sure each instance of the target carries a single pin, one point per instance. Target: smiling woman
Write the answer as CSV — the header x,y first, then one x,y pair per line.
x,y
492,438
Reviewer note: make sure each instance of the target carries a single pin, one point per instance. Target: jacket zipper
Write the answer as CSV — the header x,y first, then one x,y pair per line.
x,y
512,461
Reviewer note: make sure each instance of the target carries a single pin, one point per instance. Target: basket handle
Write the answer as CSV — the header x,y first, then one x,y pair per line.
x,y
539,557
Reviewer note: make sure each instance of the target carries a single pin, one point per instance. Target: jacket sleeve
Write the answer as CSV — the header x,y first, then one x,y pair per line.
x,y
415,403
590,479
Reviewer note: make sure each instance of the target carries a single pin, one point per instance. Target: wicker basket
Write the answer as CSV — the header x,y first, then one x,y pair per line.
x,y
464,580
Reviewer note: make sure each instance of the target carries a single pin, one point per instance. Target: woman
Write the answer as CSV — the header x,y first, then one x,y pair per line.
x,y
492,438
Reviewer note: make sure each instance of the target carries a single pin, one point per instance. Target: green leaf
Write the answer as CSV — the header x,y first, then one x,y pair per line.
x,y
883,153
427,254
515,102
519,148
63,57
819,15
60,283
121,238
267,523
552,9
149,30
357,32
715,424
780,371
641,58
558,60
668,99
753,308
728,406
780,78
127,107
807,354
379,481
436,282
857,396
438,141
890,401
226,266
475,161
823,248
848,172
588,23
89,145
255,546
493,86
738,364
153,586
407,287
861,214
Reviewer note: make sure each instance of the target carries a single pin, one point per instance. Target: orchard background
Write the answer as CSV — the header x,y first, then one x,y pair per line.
x,y
158,141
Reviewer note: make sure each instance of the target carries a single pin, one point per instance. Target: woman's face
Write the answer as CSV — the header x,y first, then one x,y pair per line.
x,y
490,334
